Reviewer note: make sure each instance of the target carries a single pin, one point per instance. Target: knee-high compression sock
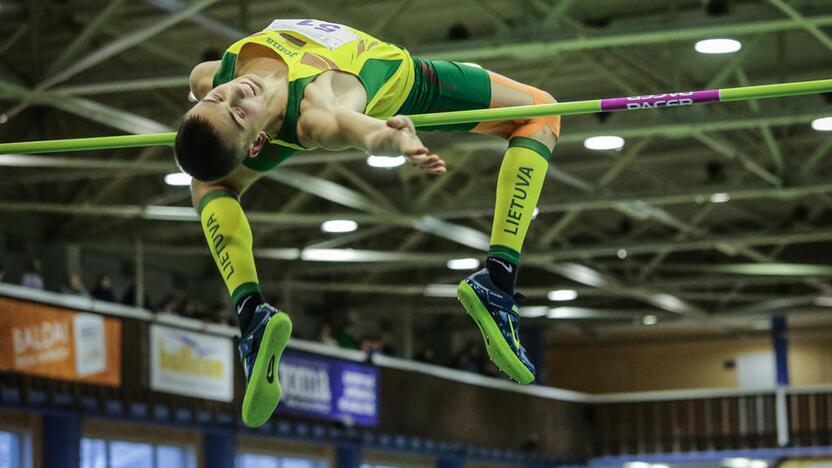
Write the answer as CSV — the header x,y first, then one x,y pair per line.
x,y
521,178
229,238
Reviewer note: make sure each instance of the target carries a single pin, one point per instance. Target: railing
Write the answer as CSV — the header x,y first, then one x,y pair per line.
x,y
434,404
422,407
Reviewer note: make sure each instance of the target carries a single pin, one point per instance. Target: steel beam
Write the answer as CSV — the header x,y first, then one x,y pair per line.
x,y
603,201
82,39
651,34
205,21
810,27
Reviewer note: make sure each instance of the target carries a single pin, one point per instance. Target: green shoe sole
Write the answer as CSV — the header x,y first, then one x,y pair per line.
x,y
263,390
498,350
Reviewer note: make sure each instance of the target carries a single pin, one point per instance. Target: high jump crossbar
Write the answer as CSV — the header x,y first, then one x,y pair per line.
x,y
653,101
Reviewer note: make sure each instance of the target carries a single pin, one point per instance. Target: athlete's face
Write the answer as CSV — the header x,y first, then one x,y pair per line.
x,y
238,109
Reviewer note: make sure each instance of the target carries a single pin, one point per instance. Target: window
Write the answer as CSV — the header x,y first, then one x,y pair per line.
x,y
12,446
249,460
99,453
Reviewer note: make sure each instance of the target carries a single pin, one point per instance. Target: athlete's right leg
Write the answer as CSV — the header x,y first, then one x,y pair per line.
x,y
264,330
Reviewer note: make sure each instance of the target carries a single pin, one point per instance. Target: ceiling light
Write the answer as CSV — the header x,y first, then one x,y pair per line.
x,y
622,254
602,143
823,124
463,264
533,312
327,255
659,465
720,198
758,464
440,290
178,179
636,464
718,46
535,213
736,462
649,320
339,225
385,161
562,295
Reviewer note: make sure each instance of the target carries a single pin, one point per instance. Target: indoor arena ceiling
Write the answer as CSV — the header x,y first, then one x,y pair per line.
x,y
717,214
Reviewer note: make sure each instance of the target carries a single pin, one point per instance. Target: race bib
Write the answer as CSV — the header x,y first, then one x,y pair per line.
x,y
329,35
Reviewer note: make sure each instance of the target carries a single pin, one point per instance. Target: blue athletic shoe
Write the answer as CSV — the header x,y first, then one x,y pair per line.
x,y
496,314
260,352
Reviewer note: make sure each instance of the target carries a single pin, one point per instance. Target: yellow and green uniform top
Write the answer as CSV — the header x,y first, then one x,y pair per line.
x,y
310,47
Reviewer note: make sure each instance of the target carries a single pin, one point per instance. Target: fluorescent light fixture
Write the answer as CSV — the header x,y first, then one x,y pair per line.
x,y
823,124
178,179
604,142
463,264
562,295
328,255
472,64
636,464
720,198
339,225
440,290
534,312
718,46
736,462
622,254
385,161
649,320
535,213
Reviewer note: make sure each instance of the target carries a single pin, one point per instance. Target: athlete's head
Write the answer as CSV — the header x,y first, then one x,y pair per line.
x,y
223,129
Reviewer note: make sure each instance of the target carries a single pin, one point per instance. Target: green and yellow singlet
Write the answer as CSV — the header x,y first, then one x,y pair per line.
x,y
310,47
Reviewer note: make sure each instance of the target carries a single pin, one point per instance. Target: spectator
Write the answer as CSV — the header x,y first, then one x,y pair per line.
x,y
170,304
427,355
129,297
346,336
191,308
469,358
104,289
325,335
74,286
32,277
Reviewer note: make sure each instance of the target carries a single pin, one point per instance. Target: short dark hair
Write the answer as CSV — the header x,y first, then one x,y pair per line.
x,y
201,152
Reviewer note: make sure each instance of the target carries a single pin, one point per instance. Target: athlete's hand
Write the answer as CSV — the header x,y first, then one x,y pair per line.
x,y
412,148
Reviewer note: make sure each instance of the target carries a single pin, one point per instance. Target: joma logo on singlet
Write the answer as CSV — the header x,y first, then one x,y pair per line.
x,y
280,47
660,100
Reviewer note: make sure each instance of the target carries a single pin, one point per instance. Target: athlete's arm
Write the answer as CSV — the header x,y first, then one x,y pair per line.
x,y
202,78
331,118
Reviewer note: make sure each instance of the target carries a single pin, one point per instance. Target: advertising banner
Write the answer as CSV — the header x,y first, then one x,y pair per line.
x,y
322,387
192,364
58,343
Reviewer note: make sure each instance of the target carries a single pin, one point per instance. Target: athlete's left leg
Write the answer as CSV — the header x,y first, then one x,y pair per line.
x,y
522,174
488,295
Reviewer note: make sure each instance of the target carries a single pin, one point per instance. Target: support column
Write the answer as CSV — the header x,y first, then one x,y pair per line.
x,y
139,289
348,456
780,343
219,448
61,445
